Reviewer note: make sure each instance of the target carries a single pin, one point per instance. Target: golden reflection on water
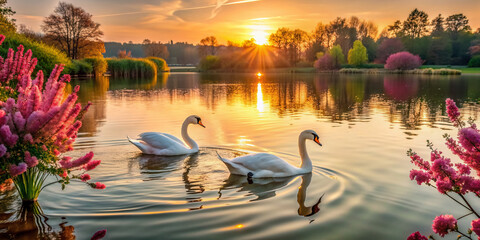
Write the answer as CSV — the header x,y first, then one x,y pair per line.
x,y
351,98
260,103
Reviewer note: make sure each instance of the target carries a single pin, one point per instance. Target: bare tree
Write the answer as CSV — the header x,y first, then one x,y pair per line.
x,y
71,28
208,45
155,49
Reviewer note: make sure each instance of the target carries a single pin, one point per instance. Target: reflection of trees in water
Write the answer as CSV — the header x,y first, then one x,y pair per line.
x,y
95,91
28,222
412,100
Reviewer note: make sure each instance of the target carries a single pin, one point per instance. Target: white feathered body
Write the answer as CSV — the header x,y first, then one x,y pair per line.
x,y
161,144
261,165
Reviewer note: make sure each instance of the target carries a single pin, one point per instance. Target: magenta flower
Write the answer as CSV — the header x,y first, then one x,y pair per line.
x,y
3,150
2,38
444,185
99,234
444,224
452,110
99,185
17,170
82,160
64,174
470,139
85,177
31,161
420,176
476,226
92,165
416,236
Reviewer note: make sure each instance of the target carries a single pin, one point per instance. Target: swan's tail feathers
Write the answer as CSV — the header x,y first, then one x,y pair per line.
x,y
138,144
220,157
232,166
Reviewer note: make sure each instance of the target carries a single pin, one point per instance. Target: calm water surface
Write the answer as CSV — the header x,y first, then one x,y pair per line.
x,y
366,125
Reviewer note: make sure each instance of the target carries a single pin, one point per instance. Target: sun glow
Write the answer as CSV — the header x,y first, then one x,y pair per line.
x,y
260,36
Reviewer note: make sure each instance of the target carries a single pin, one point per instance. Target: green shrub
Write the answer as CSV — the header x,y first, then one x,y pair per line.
x,y
474,62
131,67
99,65
358,54
47,56
337,54
80,67
209,62
161,64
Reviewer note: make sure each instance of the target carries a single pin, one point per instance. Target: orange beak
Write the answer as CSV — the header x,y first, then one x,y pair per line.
x,y
201,124
317,141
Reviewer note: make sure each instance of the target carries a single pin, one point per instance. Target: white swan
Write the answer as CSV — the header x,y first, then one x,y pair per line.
x,y
264,165
168,145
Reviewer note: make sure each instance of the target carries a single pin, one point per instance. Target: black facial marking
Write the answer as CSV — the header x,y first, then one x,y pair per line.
x,y
198,119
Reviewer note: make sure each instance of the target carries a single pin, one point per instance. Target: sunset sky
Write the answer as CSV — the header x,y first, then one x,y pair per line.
x,y
235,20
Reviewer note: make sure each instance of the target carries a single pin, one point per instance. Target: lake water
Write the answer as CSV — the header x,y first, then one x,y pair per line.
x,y
365,122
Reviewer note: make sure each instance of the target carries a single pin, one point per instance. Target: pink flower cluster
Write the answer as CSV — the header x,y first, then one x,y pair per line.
x,y
444,224
403,61
416,236
40,116
448,177
325,62
16,65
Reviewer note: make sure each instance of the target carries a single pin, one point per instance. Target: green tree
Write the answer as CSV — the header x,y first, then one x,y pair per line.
x,y
358,54
457,23
438,25
395,30
337,55
416,24
7,23
371,46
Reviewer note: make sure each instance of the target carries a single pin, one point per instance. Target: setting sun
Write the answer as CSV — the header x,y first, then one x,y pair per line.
x,y
261,37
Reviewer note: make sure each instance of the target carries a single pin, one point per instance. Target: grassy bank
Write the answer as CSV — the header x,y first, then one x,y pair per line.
x,y
131,67
463,69
425,71
160,63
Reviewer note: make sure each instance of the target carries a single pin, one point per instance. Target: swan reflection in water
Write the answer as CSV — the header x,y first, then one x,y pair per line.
x,y
157,167
199,178
265,188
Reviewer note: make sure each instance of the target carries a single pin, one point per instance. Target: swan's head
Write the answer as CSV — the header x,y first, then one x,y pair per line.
x,y
194,119
312,135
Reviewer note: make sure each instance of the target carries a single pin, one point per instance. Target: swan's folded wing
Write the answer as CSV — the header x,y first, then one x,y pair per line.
x,y
262,161
173,138
160,140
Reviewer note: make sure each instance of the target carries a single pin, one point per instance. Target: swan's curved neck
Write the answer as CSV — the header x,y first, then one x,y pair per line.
x,y
306,162
192,144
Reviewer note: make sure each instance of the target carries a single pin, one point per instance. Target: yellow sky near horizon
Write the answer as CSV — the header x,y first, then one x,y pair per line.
x,y
234,20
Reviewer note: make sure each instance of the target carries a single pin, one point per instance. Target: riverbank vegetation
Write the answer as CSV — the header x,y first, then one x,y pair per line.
x,y
81,53
436,41
131,67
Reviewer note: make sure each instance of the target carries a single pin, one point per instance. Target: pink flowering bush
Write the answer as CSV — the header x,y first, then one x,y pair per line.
x,y
38,124
325,62
453,180
403,61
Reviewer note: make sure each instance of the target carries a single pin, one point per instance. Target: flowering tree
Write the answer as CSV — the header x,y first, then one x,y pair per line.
x,y
38,124
326,62
403,61
452,180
